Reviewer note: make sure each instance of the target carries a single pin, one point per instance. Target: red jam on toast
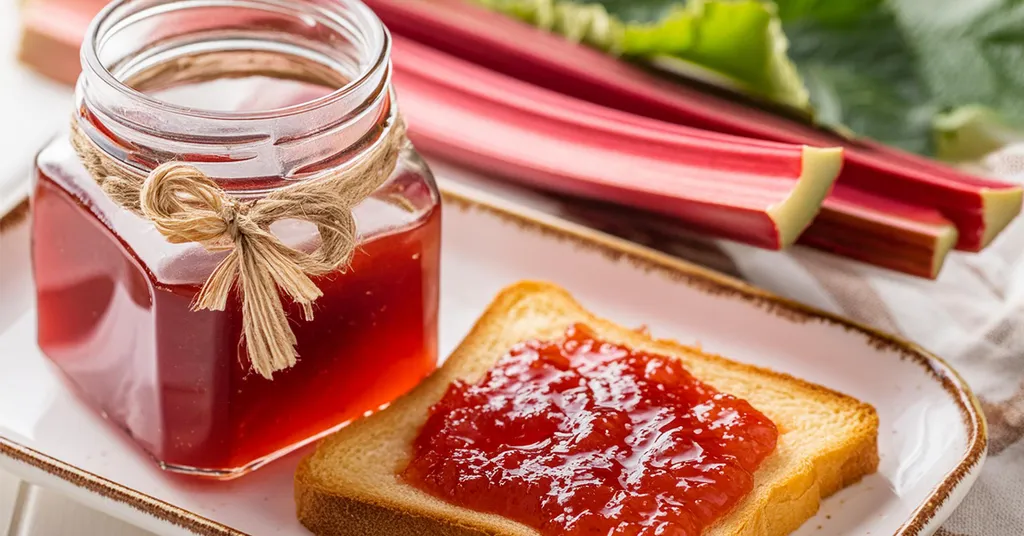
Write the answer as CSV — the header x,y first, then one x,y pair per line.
x,y
584,437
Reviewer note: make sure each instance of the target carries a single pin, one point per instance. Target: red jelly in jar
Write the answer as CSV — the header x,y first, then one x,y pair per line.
x,y
115,297
585,437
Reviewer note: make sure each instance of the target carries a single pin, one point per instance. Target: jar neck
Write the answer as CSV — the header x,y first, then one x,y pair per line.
x,y
274,91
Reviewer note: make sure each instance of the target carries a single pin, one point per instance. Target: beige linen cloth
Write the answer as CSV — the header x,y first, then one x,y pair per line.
x,y
972,316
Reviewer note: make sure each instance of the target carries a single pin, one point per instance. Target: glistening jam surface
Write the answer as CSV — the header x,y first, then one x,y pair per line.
x,y
581,436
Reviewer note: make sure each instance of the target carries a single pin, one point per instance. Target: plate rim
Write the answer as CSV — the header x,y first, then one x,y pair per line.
x,y
640,257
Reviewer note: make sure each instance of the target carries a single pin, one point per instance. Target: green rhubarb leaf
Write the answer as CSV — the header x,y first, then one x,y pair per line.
x,y
904,71
860,77
970,51
740,40
828,11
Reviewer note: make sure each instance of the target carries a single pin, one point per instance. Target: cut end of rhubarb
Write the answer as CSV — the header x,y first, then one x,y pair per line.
x,y
944,243
820,167
1001,206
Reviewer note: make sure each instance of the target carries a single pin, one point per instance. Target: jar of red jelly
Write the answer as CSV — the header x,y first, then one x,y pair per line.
x,y
115,296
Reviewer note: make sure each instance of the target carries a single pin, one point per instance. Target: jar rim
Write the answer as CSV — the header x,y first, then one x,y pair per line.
x,y
101,24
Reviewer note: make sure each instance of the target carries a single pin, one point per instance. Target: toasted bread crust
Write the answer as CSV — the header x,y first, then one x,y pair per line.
x,y
328,514
360,508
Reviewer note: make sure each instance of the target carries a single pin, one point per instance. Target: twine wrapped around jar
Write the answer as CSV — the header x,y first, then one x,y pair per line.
x,y
185,205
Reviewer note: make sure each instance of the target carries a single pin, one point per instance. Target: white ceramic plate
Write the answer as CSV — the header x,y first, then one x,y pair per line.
x,y
932,437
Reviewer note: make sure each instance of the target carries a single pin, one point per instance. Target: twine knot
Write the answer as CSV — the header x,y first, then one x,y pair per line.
x,y
236,216
187,206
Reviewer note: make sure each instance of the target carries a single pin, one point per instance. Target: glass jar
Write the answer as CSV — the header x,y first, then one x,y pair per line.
x,y
114,295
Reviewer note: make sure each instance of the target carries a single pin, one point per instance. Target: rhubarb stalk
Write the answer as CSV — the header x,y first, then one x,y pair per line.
x,y
915,246
980,208
444,97
764,194
882,232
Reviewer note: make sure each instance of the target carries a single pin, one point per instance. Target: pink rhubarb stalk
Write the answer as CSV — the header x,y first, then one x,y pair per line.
x,y
556,142
756,192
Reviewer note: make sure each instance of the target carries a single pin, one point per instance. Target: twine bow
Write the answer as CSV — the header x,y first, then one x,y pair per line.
x,y
185,205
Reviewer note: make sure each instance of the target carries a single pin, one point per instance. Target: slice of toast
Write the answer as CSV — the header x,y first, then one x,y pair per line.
x,y
349,486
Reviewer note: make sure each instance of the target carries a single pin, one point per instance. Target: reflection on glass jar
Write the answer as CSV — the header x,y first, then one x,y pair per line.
x,y
302,87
